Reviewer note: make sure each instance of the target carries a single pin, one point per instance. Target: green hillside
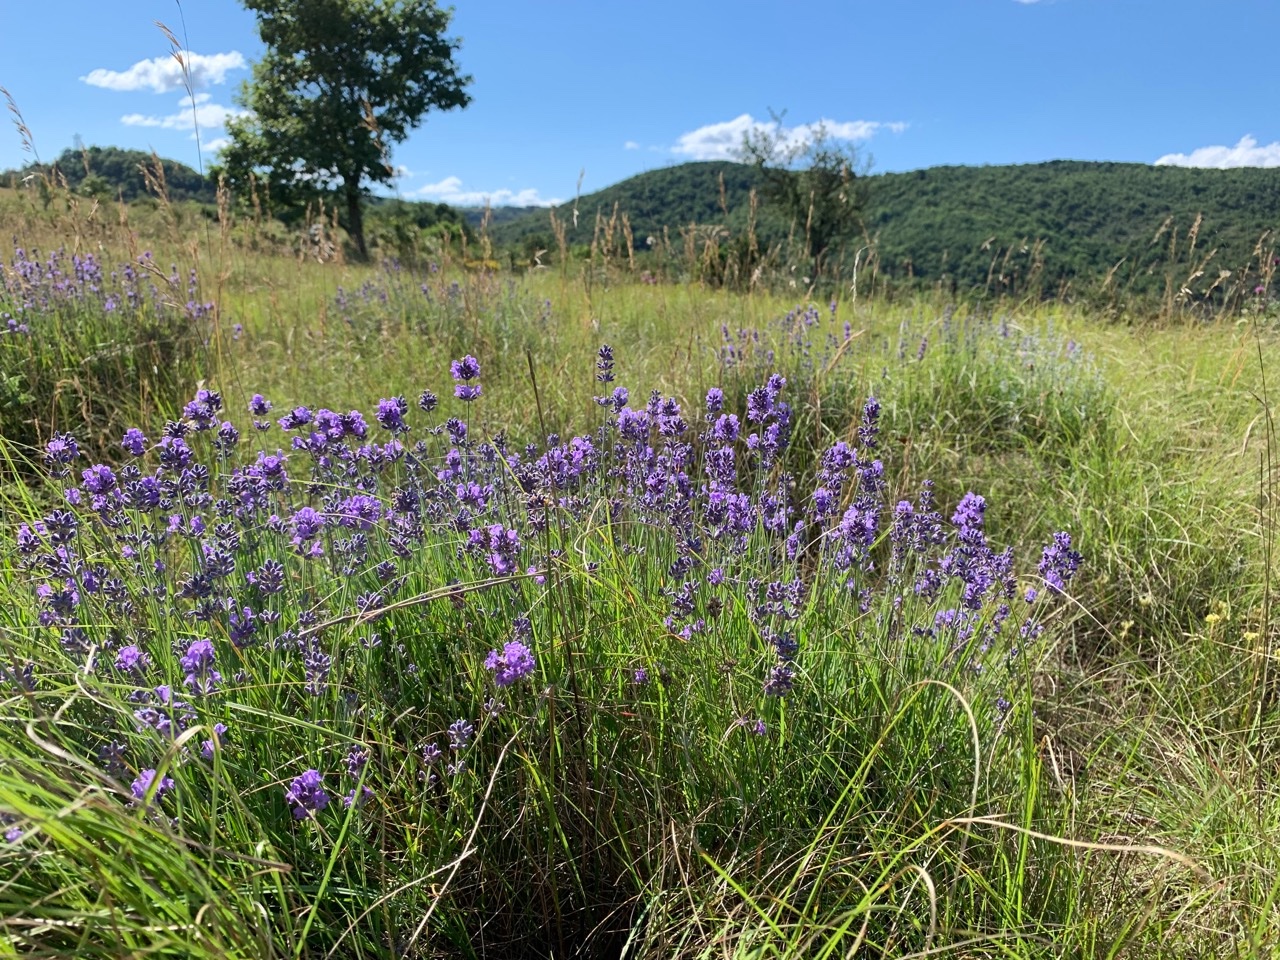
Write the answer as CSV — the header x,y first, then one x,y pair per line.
x,y
110,173
1065,221
672,197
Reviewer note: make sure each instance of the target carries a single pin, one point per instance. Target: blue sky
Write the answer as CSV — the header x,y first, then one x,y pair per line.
x,y
610,89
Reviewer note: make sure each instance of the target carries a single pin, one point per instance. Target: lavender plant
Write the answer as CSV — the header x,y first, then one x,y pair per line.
x,y
519,668
80,343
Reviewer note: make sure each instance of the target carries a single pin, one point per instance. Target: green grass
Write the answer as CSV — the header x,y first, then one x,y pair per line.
x,y
1126,807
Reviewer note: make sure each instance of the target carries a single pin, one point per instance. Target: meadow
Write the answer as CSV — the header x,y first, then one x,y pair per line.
x,y
408,609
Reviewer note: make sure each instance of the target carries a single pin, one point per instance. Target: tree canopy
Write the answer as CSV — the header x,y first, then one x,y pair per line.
x,y
341,82
813,181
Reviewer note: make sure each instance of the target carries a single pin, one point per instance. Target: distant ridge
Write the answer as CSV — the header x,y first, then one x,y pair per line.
x,y
112,172
957,223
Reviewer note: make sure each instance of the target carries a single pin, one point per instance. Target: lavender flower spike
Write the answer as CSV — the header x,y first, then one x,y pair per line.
x,y
515,661
306,794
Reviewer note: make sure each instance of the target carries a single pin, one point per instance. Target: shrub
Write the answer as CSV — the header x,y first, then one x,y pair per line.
x,y
386,682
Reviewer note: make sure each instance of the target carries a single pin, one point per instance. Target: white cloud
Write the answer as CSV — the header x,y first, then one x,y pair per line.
x,y
449,190
722,141
631,145
165,74
1246,153
206,115
216,145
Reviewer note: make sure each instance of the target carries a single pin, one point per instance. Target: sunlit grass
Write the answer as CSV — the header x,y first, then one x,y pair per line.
x,y
1123,806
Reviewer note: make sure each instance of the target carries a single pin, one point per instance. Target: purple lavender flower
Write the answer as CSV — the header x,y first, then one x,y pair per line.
x,y
870,423
269,578
824,503
297,417
464,371
134,442
316,666
59,452
307,524
306,794
781,680
228,437
111,755
207,747
241,626
756,727
514,662
131,660
468,368
203,410
759,405
1059,563
968,516
460,733
175,455
99,479
357,758
259,405
391,413
359,512
353,424
352,800
500,546
142,785
197,662
604,364
715,400
427,401
163,714
176,429
725,428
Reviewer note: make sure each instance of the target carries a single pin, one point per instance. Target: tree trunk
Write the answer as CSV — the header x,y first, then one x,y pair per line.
x,y
355,218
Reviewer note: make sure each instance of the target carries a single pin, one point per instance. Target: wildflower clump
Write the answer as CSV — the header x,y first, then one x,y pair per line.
x,y
351,590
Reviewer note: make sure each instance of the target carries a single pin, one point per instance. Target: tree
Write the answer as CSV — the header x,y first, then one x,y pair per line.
x,y
340,83
813,178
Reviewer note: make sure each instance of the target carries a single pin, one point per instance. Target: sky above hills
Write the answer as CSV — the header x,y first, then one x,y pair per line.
x,y
570,88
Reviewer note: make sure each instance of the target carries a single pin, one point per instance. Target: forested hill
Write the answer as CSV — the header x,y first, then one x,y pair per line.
x,y
671,197
953,222
110,172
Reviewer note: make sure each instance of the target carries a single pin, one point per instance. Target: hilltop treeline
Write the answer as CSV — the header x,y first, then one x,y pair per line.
x,y
1054,224
113,173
